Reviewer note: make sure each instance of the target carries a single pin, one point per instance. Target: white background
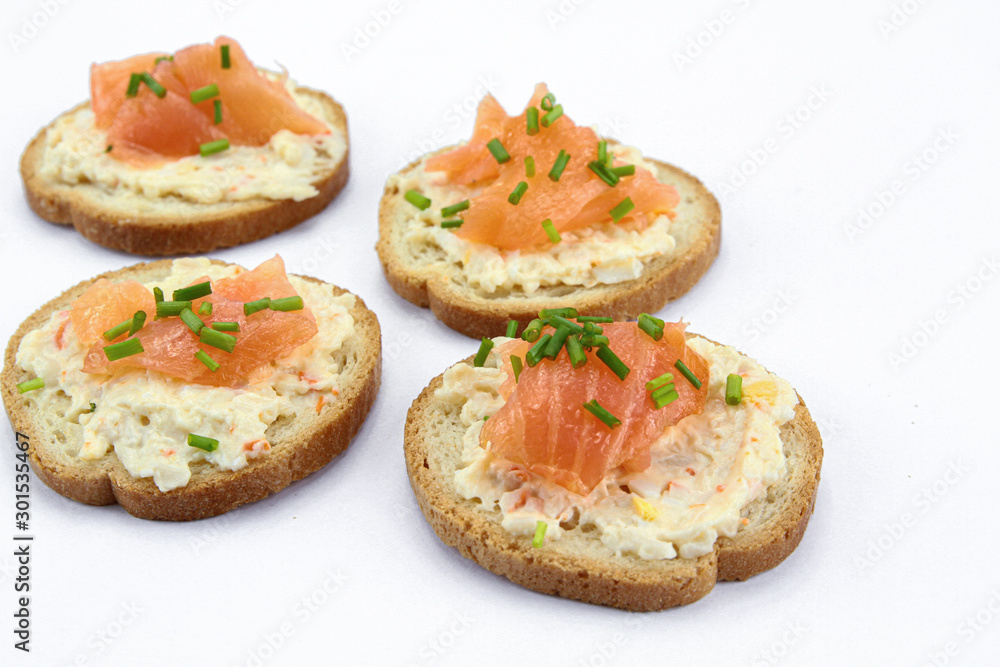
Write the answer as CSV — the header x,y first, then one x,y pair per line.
x,y
800,116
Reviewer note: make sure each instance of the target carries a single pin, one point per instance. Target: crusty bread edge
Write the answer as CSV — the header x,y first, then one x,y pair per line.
x,y
157,235
107,482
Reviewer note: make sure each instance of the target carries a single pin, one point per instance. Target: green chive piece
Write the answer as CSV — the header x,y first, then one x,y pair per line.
x,y
30,385
602,151
574,348
500,153
117,330
552,115
203,357
659,381
217,339
515,363
201,442
518,192
171,308
612,361
559,165
547,102
205,308
595,318
593,329
157,294
539,538
451,224
532,121
161,59
546,313
511,329
537,351
666,400
153,85
454,209
225,56
251,307
193,292
93,408
656,320
591,340
287,304
417,199
532,331
218,111
662,392
560,321
483,353
734,389
108,149
192,321
213,147
226,326
624,170
686,372
603,173
623,209
529,167
133,84
648,326
598,411
551,231
556,342
205,93
126,348
138,321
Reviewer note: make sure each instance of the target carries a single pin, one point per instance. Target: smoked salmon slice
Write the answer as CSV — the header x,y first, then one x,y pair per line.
x,y
105,304
544,426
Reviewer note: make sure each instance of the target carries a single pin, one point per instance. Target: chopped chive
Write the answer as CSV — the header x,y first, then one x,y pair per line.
x,y
417,199
205,93
559,165
593,329
661,392
222,341
659,381
511,329
157,294
133,84
592,340
161,59
218,111
623,209
171,308
602,151
483,353
193,292
454,209
656,320
539,538
686,372
287,304
529,167
126,348
153,85
666,399
225,56
734,389
203,357
648,326
117,330
451,224
192,321
560,321
532,121
532,331
205,308
567,311
603,173
550,230
500,153
251,307
515,363
574,349
108,149
537,351
93,408
226,326
30,385
595,318
624,170
138,321
518,192
556,342
612,361
213,147
201,442
552,115
598,411
547,102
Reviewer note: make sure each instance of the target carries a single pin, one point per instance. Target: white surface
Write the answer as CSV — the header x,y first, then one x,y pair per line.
x,y
791,286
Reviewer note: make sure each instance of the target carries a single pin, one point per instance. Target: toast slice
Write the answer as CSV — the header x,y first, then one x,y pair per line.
x,y
578,565
171,225
299,445
426,279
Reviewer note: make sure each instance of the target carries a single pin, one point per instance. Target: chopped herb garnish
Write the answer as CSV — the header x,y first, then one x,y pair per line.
x,y
594,340
602,151
624,170
251,307
133,84
546,313
623,209
93,408
161,59
648,326
203,357
529,167
663,400
551,231
108,149
552,115
483,353
532,331
153,85
157,294
547,102
193,292
595,318
222,341
560,321
511,329
603,173
138,321
557,342
192,321
218,111
656,320
201,442
30,385
205,93
225,56
659,381
451,224
574,349
417,199
226,326
559,165
515,363
117,330
537,351
171,308
532,121
454,209
126,348
287,304
612,361
598,411
518,192
661,392
686,372
734,389
499,153
213,147
591,328
205,308
539,538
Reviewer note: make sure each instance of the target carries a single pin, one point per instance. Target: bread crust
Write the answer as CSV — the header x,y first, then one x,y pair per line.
x,y
625,582
663,278
304,446
178,228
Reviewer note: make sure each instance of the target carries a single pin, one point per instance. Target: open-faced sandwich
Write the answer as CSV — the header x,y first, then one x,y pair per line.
x,y
534,211
187,152
181,389
628,464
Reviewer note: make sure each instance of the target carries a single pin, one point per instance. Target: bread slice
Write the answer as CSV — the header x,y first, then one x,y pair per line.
x,y
429,281
578,565
173,226
299,446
